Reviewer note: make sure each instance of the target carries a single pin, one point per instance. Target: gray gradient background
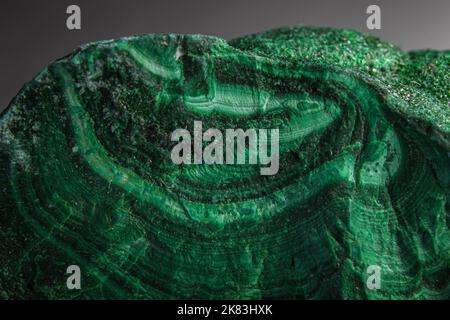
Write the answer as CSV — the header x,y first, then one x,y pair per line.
x,y
33,33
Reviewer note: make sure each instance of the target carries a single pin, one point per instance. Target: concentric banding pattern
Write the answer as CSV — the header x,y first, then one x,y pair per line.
x,y
363,179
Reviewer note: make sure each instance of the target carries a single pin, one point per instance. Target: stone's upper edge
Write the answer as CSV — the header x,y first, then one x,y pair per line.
x,y
366,54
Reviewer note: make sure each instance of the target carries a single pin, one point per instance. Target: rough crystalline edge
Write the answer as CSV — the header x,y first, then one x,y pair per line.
x,y
364,180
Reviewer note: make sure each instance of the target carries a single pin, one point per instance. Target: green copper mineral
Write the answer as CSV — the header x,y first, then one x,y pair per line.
x,y
363,183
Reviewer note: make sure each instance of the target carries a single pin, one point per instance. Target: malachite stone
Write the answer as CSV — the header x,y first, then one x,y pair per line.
x,y
364,177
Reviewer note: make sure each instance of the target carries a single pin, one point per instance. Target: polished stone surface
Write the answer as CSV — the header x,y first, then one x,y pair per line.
x,y
87,179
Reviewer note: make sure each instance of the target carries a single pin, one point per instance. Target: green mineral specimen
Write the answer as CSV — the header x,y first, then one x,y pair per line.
x,y
364,174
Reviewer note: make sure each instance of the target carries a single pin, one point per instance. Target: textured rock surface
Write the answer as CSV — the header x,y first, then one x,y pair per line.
x,y
86,176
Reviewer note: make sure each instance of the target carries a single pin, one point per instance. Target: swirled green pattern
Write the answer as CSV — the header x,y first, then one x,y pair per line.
x,y
364,175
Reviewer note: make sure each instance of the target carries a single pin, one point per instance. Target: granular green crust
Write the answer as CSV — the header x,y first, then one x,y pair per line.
x,y
364,176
